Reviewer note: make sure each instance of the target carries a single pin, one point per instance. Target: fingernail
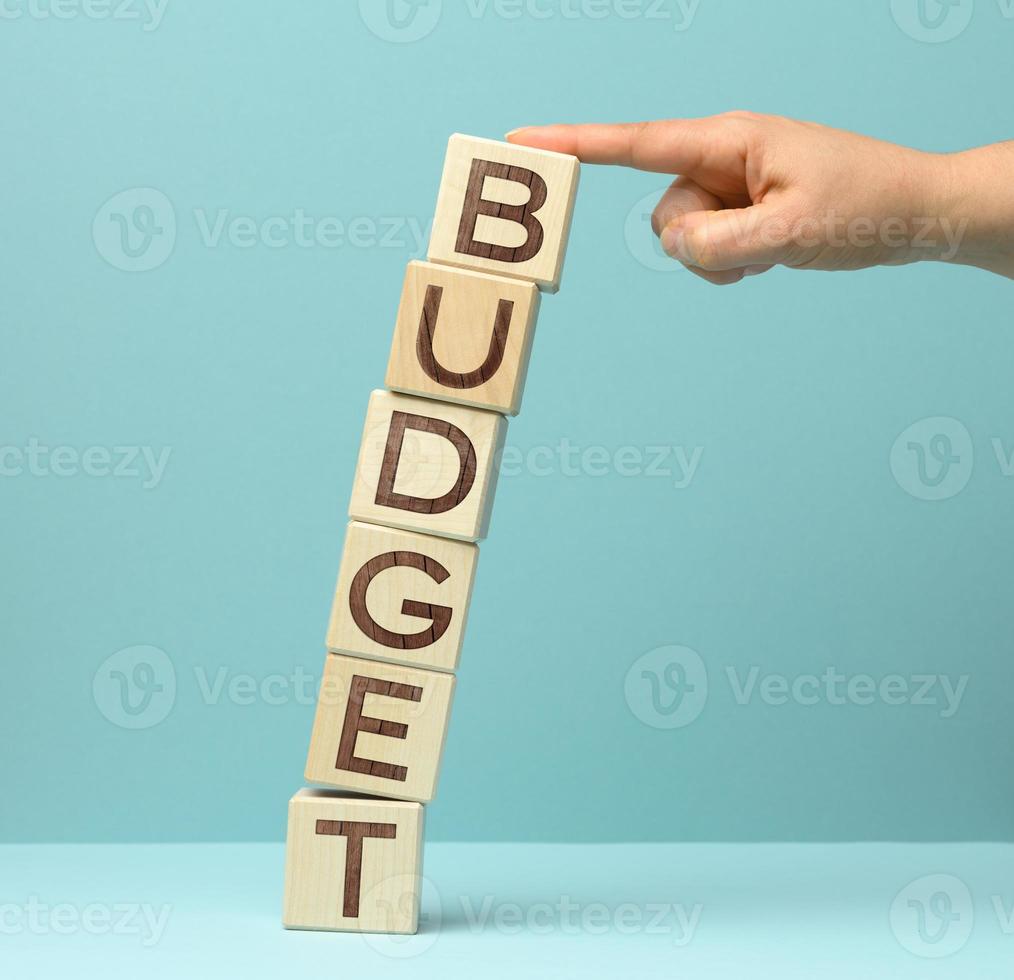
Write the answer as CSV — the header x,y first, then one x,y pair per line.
x,y
514,132
672,241
755,270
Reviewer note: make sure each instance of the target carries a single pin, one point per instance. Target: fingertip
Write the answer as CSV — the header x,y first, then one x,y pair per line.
x,y
729,278
523,133
542,138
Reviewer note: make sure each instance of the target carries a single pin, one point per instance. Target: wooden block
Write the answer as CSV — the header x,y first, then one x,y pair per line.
x,y
352,864
427,466
505,209
380,728
463,337
402,597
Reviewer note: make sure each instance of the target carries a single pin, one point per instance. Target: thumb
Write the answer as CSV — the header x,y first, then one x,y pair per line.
x,y
734,238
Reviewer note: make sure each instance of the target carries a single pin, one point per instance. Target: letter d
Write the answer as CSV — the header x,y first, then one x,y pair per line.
x,y
387,496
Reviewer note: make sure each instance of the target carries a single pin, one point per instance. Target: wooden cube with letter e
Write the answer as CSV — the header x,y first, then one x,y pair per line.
x,y
402,597
427,466
352,864
380,728
504,209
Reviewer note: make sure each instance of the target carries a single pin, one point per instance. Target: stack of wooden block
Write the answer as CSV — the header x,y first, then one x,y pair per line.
x,y
423,490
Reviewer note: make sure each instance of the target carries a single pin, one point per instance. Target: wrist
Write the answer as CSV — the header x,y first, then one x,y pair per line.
x,y
973,195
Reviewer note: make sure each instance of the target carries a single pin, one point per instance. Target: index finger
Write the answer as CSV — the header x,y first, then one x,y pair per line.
x,y
665,146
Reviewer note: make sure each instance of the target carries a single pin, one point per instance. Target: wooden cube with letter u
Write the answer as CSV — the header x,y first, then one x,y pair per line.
x,y
427,466
463,337
352,864
504,209
380,728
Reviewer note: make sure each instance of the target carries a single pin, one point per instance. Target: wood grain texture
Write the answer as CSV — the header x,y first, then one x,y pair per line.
x,y
402,597
463,337
352,864
504,209
380,728
427,466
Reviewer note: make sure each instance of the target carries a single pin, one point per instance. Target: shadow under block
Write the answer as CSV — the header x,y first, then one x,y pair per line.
x,y
352,864
380,728
463,337
504,209
402,597
427,466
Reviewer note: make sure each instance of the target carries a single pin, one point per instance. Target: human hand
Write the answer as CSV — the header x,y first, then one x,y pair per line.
x,y
756,191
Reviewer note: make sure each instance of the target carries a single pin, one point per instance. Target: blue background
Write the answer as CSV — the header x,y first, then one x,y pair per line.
x,y
792,549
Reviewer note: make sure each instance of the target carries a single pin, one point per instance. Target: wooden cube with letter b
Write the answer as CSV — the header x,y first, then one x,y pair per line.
x,y
380,728
504,209
463,337
352,864
427,466
402,597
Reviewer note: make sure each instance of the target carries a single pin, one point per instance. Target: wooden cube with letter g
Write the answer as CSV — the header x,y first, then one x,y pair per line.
x,y
402,597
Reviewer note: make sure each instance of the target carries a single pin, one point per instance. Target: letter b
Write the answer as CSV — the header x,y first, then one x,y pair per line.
x,y
504,208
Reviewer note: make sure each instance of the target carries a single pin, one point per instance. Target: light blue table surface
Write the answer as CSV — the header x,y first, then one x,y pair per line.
x,y
522,910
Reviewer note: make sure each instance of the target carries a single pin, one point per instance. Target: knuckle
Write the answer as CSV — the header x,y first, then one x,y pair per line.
x,y
742,115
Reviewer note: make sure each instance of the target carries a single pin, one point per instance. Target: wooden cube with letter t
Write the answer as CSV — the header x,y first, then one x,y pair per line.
x,y
427,466
463,337
380,728
352,864
402,597
504,209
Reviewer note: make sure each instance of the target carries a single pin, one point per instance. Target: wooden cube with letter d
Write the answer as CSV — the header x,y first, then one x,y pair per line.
x,y
427,466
